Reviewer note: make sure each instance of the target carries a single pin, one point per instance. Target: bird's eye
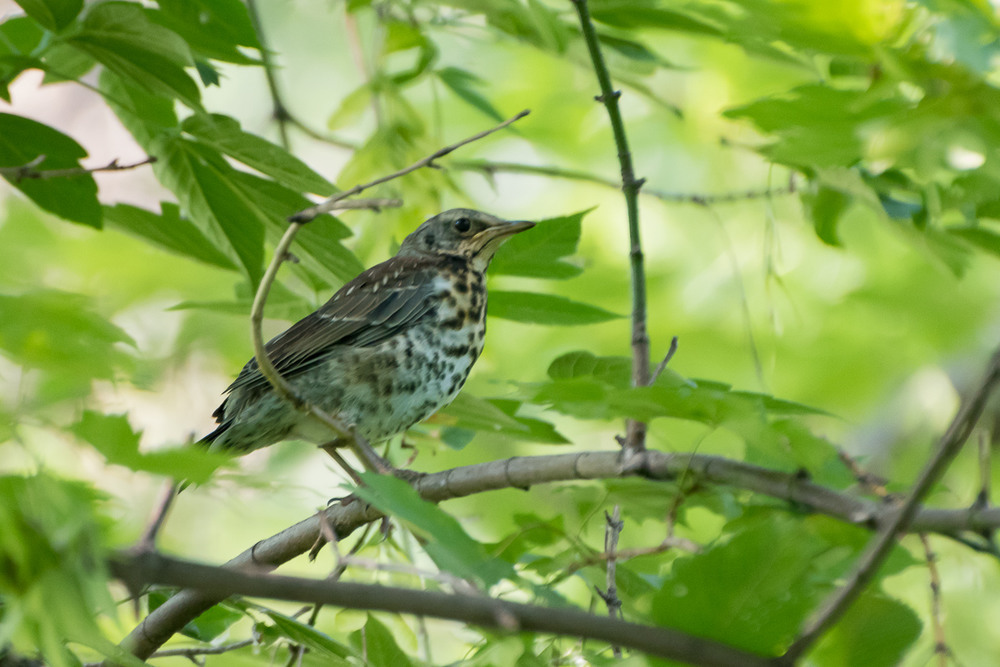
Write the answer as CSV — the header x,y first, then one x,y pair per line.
x,y
462,225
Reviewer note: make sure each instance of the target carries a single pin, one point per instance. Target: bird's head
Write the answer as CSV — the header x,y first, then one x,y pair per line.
x,y
464,232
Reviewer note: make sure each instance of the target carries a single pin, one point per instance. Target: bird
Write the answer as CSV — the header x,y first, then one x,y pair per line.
x,y
389,349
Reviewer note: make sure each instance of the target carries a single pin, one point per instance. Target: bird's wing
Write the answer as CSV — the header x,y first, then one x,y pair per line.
x,y
366,311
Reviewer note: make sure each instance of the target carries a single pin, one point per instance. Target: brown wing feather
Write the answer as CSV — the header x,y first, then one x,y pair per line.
x,y
365,311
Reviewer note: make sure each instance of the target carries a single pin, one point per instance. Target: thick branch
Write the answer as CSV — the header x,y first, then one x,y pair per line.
x,y
636,437
483,611
524,472
834,607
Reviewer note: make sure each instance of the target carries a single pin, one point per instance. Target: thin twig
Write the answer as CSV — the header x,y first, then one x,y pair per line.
x,y
831,610
158,517
28,171
662,366
985,471
328,205
204,650
278,111
635,429
490,167
612,530
941,649
622,555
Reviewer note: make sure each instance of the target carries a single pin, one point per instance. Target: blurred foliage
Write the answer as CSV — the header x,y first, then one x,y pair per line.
x,y
845,308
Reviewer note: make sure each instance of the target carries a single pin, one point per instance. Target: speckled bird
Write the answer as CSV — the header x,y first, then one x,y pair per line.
x,y
389,349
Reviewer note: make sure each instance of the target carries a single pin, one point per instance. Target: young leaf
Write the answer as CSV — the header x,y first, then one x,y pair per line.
x,y
23,141
545,309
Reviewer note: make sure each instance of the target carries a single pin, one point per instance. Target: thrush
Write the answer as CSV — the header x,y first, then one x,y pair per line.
x,y
389,349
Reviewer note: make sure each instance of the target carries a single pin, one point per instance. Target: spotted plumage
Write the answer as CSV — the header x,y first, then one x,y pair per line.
x,y
389,349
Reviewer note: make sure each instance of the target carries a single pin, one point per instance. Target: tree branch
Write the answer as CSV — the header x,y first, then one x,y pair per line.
x,y
490,167
28,171
635,440
221,583
834,607
308,214
524,472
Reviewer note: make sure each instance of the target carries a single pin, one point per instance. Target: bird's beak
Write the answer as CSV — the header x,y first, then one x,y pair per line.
x,y
502,230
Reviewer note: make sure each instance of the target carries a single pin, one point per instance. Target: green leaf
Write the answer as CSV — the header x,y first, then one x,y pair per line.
x,y
876,631
751,591
616,371
817,125
168,230
224,135
544,309
52,14
19,37
332,652
213,28
114,438
541,252
73,198
826,207
649,14
59,332
282,303
379,645
471,412
465,84
208,625
144,115
350,109
208,192
53,547
317,244
64,62
444,540
120,36
980,237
